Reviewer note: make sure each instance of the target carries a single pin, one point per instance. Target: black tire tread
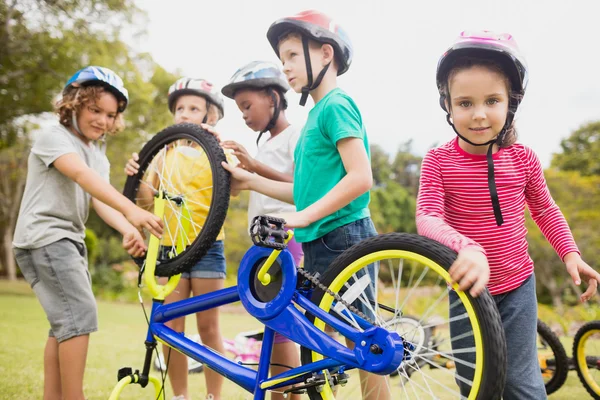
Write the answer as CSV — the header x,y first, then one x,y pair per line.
x,y
560,357
220,193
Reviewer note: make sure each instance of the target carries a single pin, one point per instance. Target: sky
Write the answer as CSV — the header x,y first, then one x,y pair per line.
x,y
397,45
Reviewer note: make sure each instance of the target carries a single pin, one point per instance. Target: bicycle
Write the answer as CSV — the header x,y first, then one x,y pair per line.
x,y
554,363
586,347
364,311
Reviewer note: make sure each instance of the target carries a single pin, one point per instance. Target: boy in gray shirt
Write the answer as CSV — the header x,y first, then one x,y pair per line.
x,y
66,171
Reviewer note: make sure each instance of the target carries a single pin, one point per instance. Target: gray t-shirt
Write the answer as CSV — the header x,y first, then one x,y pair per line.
x,y
53,206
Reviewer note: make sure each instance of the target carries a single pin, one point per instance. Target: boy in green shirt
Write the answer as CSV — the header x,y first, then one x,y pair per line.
x,y
332,174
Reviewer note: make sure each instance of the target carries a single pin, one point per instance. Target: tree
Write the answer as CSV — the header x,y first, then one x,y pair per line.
x,y
43,44
580,151
579,199
407,167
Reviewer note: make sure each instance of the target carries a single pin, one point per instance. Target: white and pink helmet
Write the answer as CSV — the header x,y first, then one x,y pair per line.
x,y
501,48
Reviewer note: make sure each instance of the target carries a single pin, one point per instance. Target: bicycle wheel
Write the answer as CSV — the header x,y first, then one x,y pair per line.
x,y
183,164
413,280
553,358
586,351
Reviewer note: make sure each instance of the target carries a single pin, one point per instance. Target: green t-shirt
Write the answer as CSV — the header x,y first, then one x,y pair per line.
x,y
319,165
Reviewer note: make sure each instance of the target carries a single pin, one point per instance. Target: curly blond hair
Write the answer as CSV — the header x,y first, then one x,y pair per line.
x,y
75,98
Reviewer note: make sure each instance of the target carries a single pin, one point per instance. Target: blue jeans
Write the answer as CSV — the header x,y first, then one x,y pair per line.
x,y
518,311
320,253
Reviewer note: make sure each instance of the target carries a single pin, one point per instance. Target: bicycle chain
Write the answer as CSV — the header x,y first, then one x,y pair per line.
x,y
336,296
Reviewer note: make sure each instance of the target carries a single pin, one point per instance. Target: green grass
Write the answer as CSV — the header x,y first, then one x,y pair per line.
x,y
119,342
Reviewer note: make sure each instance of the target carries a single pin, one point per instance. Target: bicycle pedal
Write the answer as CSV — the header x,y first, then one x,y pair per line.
x,y
124,372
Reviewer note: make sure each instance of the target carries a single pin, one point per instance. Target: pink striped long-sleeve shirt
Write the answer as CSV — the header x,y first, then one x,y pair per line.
x,y
454,208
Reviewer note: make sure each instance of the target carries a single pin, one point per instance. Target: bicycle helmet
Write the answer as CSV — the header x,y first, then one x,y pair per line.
x,y
319,27
101,76
260,75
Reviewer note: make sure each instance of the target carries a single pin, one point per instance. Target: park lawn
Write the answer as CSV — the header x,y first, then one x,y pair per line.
x,y
118,343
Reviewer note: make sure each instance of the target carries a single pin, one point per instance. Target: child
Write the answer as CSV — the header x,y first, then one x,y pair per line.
x,y
66,169
195,101
473,193
332,174
259,91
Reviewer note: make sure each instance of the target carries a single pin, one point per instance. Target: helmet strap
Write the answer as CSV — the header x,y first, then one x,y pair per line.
x,y
309,84
275,117
490,160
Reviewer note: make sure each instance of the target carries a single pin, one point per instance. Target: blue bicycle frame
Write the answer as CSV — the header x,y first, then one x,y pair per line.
x,y
282,316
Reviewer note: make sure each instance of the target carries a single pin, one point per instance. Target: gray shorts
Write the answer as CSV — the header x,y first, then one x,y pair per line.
x,y
58,274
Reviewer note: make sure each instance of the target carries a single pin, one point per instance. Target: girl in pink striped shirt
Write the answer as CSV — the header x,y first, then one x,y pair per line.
x,y
473,192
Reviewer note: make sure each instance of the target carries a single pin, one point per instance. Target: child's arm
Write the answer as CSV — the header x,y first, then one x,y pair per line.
x,y
552,223
358,180
253,165
133,241
471,268
244,180
72,166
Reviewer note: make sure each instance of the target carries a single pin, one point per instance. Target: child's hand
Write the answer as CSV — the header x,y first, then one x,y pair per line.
x,y
132,166
240,178
247,161
211,129
576,267
294,219
471,271
143,219
133,242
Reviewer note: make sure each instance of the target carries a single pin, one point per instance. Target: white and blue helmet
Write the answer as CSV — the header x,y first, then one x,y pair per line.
x,y
256,75
101,76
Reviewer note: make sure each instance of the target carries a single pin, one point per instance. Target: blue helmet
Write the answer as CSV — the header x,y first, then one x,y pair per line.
x,y
101,76
256,75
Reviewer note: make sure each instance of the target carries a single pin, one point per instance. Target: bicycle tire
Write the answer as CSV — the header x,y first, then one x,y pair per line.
x,y
490,371
559,367
202,141
582,360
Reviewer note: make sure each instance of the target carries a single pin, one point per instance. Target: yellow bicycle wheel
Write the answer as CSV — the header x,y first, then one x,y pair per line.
x,y
586,352
389,276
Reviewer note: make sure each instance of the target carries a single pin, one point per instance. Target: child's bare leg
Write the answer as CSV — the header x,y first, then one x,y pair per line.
x,y
177,362
52,388
72,354
374,387
284,353
210,331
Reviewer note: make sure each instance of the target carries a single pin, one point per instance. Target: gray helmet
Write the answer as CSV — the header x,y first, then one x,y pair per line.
x,y
258,75
198,87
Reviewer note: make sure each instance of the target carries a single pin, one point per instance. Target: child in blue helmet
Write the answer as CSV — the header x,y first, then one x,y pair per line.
x,y
258,89
68,170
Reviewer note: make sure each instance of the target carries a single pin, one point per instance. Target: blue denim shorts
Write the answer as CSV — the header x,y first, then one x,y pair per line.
x,y
320,253
58,274
212,265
